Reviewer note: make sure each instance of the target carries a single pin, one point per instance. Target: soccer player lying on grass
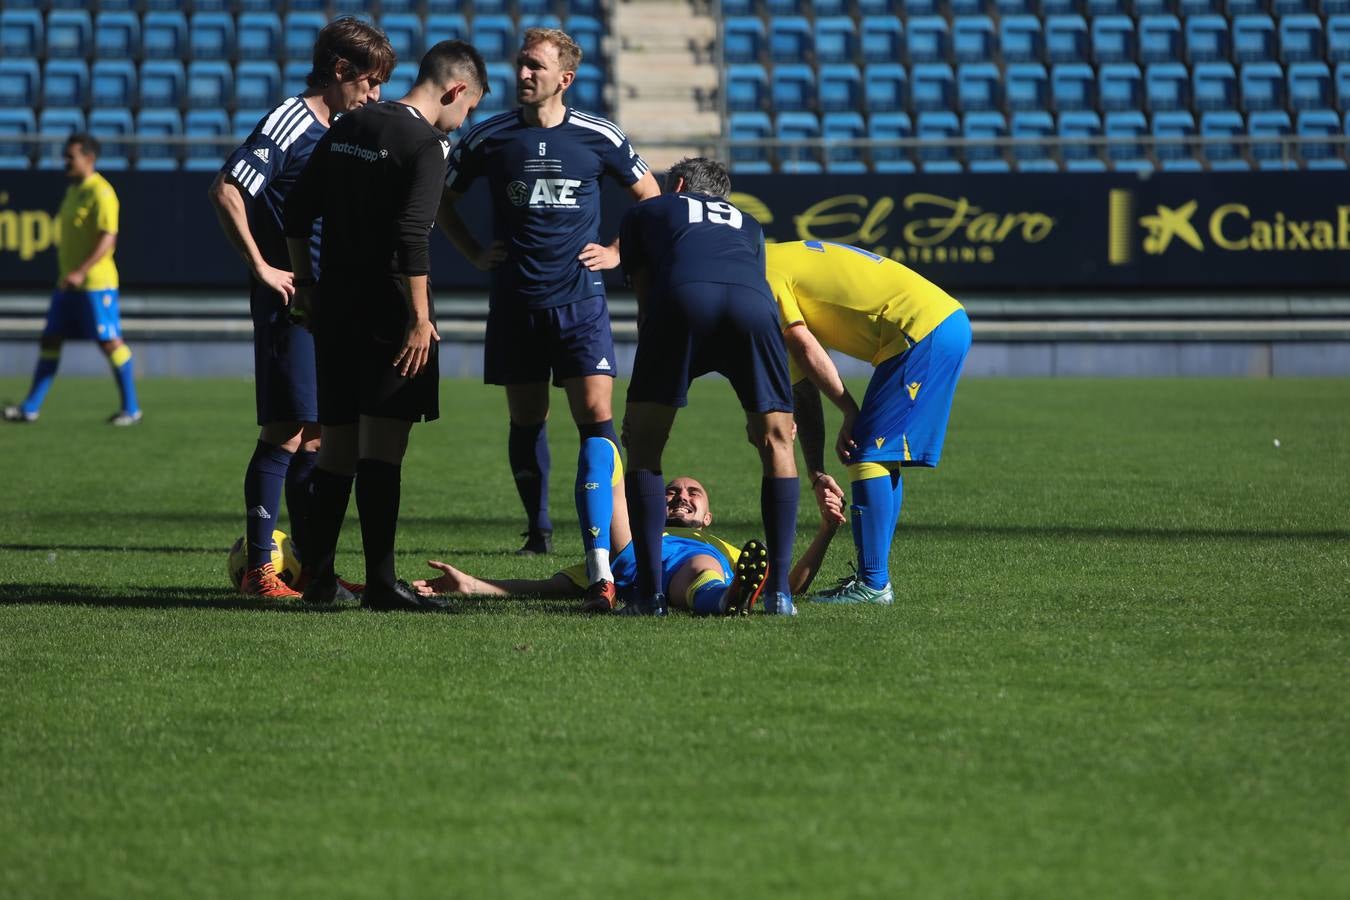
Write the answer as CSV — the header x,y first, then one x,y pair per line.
x,y
700,571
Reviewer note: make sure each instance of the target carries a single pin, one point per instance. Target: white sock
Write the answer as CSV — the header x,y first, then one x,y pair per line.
x,y
597,566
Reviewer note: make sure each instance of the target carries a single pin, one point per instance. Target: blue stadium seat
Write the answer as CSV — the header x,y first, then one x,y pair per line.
x,y
166,5
738,8
359,9
1272,154
964,8
1159,39
1245,7
886,87
244,121
65,82
293,76
890,126
1222,155
1066,39
1167,86
1030,129
1062,7
1021,39
257,84
882,39
1154,7
1200,7
60,121
744,39
114,83
973,39
206,123
750,126
1081,157
1014,8
69,33
1309,85
941,156
1292,7
1206,39
20,82
164,35
1175,157
210,84
108,125
1120,86
792,88
985,125
779,8
588,90
927,39
1338,38
211,35
1214,86
589,34
1026,86
252,6
977,86
158,123
1253,39
490,8
20,32
299,29
258,35
405,73
1300,38
824,8
405,34
1315,123
843,126
797,126
446,27
1097,8
836,39
791,40
1073,86
525,23
1113,39
747,87
878,7
1335,7
1262,85
531,7
840,87
162,83
911,8
399,6
15,154
932,87
494,36
1124,149
1343,86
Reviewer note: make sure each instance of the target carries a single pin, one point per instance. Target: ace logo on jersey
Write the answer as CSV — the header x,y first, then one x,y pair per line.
x,y
547,193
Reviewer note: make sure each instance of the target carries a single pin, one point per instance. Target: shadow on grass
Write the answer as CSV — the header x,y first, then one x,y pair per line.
x,y
145,598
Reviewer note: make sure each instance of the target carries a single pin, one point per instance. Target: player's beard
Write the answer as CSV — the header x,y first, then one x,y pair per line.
x,y
683,522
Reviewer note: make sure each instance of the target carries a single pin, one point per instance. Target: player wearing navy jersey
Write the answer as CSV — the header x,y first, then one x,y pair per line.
x,y
543,164
351,60
697,265
375,179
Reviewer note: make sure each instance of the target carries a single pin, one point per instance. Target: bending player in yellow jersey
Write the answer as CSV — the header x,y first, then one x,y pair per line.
x,y
837,297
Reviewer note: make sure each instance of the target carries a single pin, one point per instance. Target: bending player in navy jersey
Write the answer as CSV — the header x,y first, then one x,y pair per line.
x,y
351,60
697,265
543,163
375,180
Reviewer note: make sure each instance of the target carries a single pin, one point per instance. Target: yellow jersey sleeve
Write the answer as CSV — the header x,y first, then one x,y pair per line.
x,y
107,206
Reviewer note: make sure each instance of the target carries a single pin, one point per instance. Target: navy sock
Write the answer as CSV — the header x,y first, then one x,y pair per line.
x,y
329,494
603,429
263,479
378,486
778,507
298,497
647,514
527,449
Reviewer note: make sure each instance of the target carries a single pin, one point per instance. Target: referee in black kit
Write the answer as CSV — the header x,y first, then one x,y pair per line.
x,y
375,179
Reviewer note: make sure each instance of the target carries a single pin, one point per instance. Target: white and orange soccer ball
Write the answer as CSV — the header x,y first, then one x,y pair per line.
x,y
284,560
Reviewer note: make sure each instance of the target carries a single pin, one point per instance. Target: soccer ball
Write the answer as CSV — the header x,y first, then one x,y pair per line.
x,y
284,559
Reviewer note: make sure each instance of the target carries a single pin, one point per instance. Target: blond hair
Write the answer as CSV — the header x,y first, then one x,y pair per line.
x,y
569,52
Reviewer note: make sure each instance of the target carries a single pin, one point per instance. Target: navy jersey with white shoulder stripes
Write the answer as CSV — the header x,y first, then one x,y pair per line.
x,y
265,168
545,187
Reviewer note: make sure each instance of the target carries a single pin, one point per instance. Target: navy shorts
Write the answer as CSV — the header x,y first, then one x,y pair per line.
x,y
359,332
285,381
693,329
523,346
84,315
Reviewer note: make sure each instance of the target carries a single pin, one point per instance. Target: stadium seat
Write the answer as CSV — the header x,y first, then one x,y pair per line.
x,y
1021,39
1335,7
973,39
1245,7
1119,86
1292,7
1062,7
299,29
359,9
750,126
203,124
252,6
878,7
20,32
164,35
1206,39
799,158
293,76
1026,86
840,87
1124,149
890,126
244,121
911,8
1343,86
524,23
257,84
941,128
69,33
780,8
791,40
927,39
824,8
792,88
932,87
211,35
1271,154
501,81
1214,86
258,35
1315,123
65,82
1081,157
494,36
843,126
1300,38
166,5
744,39
882,39
209,84
1167,86
20,82
589,34
1172,156
1030,129
1066,39
114,83
405,34
1262,86
14,123
965,8
533,7
1073,86
1338,38
984,126
403,75
108,125
400,6
1253,39
588,90
737,7
162,83
1200,7
1097,8
1222,155
1309,85
1113,39
158,123
747,87
886,87
1154,7
977,87
446,27
490,7
1008,8
56,120
1159,39
836,39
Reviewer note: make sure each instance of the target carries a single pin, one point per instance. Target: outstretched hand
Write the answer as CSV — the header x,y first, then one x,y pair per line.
x,y
450,581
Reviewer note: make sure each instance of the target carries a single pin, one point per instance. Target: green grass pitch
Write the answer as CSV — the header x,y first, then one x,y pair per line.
x,y
1117,667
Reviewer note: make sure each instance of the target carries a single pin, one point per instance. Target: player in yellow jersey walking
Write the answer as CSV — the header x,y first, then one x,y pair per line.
x,y
837,297
84,304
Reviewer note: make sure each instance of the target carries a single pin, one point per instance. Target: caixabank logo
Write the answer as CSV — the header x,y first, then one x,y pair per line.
x,y
1230,227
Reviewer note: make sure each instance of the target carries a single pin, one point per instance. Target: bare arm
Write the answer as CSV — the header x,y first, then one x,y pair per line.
x,y
454,228
228,202
453,581
806,567
107,240
812,359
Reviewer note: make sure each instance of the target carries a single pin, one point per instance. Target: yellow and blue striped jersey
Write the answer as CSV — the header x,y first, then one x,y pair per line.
x,y
88,209
866,306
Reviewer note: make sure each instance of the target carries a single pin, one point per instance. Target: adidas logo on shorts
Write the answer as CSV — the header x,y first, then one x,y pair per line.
x,y
603,365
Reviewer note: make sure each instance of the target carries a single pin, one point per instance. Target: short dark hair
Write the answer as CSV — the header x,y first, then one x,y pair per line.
x,y
454,61
359,44
87,143
701,176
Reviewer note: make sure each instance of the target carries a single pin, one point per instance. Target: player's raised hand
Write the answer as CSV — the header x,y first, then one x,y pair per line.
x,y
597,256
412,357
829,498
450,581
279,280
490,257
